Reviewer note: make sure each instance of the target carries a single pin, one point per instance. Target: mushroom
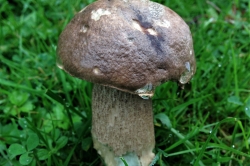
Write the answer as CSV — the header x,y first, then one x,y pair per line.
x,y
126,48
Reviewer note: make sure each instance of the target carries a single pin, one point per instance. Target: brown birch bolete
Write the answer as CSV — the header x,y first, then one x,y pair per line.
x,y
126,48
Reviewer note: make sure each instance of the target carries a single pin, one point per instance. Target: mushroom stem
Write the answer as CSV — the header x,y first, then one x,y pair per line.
x,y
122,126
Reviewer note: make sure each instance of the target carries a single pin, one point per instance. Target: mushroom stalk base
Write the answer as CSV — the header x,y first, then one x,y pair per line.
x,y
122,126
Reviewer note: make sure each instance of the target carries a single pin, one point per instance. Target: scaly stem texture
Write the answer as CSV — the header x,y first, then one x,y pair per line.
x,y
122,124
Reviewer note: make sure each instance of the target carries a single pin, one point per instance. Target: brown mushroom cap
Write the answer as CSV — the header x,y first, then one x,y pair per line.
x,y
127,45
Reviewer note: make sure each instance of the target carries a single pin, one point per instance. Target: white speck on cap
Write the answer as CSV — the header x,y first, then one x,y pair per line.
x,y
164,23
187,65
96,71
84,29
96,14
137,26
152,32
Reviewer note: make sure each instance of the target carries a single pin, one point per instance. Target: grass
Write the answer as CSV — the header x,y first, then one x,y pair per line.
x,y
45,114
